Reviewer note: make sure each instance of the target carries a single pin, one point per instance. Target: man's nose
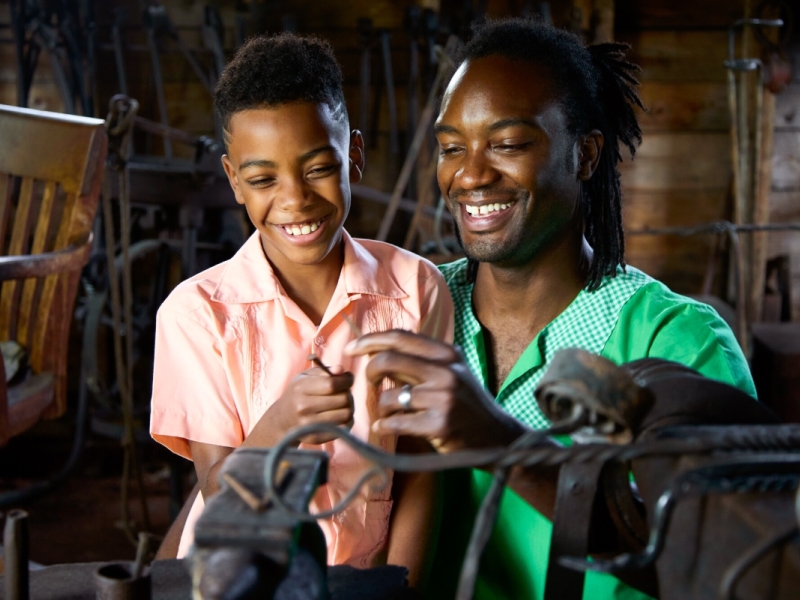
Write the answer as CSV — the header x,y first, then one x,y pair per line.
x,y
475,171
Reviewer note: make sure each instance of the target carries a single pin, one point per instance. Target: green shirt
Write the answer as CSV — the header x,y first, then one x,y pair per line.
x,y
631,316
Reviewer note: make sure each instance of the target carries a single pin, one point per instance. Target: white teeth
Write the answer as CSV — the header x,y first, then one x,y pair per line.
x,y
302,229
486,208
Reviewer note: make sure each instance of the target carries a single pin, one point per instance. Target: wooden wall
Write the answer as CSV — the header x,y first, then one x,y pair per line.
x,y
681,175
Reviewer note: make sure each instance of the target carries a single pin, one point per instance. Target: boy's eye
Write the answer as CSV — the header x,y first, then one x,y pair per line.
x,y
323,171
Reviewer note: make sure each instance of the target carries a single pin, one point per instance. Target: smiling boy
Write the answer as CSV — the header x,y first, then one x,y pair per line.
x,y
232,343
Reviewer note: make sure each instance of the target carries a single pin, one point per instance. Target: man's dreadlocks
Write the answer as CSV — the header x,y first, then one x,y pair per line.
x,y
597,88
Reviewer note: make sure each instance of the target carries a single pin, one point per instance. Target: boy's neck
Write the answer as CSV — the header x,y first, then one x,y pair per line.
x,y
310,286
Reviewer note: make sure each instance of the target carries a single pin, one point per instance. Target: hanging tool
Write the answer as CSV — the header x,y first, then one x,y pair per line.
x,y
746,156
367,36
120,14
445,64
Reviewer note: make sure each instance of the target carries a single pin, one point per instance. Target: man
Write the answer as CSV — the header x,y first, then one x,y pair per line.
x,y
529,131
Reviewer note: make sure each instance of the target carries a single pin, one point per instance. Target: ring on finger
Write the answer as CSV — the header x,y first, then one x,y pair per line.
x,y
404,397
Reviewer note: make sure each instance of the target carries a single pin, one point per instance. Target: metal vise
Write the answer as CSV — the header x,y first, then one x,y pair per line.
x,y
245,547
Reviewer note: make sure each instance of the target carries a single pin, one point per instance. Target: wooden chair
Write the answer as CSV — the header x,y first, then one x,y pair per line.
x,y
51,170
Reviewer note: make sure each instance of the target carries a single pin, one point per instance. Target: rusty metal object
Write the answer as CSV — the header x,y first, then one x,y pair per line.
x,y
611,402
244,547
15,555
120,581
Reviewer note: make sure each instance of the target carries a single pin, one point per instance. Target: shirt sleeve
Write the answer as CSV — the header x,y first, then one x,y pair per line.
x,y
192,399
691,333
436,305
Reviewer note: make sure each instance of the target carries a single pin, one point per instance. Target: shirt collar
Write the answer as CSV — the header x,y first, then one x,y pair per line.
x,y
248,276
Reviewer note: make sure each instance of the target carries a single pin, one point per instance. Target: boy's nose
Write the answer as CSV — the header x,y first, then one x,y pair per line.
x,y
294,195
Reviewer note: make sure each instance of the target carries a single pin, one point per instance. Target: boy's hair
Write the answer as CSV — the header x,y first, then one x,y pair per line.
x,y
272,70
598,91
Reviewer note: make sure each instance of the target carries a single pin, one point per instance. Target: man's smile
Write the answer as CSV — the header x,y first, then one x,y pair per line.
x,y
488,216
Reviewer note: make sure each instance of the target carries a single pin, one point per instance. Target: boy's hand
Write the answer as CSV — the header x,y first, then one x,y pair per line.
x,y
313,396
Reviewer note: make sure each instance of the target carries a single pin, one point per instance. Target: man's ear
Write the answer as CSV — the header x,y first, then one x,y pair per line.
x,y
589,154
356,155
233,178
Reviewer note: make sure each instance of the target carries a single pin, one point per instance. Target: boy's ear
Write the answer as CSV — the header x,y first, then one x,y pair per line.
x,y
589,154
356,155
233,178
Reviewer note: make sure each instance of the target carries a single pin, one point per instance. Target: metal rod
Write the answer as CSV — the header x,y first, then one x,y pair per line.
x,y
15,542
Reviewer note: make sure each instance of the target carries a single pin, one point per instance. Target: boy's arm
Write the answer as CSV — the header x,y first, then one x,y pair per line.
x,y
415,514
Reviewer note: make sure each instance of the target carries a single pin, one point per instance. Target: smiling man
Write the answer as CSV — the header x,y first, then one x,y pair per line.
x,y
530,130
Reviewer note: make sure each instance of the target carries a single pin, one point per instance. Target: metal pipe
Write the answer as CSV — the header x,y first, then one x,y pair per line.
x,y
15,543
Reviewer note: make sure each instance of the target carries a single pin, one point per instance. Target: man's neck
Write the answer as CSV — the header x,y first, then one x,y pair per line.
x,y
514,303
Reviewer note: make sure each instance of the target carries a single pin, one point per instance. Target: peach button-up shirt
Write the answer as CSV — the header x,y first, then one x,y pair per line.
x,y
229,340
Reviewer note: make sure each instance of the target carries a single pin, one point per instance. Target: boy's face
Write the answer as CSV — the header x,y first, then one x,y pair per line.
x,y
291,167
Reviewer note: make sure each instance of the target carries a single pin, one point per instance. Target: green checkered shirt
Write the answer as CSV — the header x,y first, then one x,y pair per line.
x,y
587,323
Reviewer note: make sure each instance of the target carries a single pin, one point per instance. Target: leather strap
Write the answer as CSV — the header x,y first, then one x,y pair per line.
x,y
577,488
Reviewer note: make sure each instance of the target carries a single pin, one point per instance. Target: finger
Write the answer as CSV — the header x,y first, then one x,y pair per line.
x,y
318,383
309,406
416,424
340,416
406,368
422,398
405,342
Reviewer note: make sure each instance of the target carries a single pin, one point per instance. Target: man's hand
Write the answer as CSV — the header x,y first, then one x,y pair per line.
x,y
313,396
448,407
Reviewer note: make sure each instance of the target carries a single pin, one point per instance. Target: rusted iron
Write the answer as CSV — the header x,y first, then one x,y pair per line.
x,y
119,581
244,547
579,381
15,555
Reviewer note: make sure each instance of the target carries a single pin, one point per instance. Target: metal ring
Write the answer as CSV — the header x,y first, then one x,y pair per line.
x,y
404,397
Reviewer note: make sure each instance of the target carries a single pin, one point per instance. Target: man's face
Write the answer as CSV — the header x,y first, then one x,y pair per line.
x,y
291,167
508,165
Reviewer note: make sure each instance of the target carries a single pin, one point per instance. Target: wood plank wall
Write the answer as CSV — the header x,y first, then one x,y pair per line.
x,y
681,174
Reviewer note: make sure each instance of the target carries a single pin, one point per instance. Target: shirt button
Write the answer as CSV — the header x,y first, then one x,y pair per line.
x,y
319,340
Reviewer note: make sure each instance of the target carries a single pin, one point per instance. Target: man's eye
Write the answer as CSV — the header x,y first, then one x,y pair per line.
x,y
449,150
511,147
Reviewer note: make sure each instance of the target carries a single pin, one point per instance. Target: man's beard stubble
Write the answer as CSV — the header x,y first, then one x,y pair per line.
x,y
486,250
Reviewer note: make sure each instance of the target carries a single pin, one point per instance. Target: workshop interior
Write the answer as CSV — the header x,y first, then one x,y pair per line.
x,y
113,192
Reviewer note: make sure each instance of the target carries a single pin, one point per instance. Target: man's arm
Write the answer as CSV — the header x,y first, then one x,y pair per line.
x,y
449,407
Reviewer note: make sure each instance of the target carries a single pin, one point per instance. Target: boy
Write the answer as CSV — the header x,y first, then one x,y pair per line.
x,y
232,343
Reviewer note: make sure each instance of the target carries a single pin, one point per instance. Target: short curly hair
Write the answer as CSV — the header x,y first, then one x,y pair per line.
x,y
272,70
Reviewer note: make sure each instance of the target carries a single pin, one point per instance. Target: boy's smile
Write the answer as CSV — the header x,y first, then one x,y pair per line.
x,y
291,166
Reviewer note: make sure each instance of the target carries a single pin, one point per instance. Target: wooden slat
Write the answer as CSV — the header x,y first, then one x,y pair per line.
x,y
18,245
787,108
679,161
786,160
693,106
679,55
677,14
5,206
673,208
49,286
26,303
